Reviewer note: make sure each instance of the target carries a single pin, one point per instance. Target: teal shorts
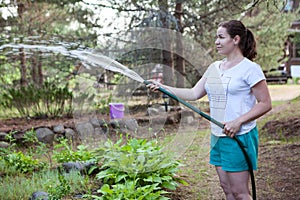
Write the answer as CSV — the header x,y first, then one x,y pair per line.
x,y
226,152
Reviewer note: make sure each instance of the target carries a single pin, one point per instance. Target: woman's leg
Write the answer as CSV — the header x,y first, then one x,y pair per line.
x,y
225,184
239,182
235,184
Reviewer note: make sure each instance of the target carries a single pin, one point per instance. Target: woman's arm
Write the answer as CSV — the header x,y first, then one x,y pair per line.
x,y
264,104
188,94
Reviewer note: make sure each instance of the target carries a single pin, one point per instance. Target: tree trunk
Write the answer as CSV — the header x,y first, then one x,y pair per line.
x,y
167,57
23,70
180,63
34,70
40,71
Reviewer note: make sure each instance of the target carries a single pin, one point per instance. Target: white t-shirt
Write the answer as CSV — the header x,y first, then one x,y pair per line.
x,y
229,92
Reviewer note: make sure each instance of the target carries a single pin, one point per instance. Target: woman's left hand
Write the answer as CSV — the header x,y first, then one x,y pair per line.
x,y
232,127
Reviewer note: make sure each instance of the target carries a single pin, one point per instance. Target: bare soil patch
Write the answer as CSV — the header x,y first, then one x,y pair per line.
x,y
21,124
278,176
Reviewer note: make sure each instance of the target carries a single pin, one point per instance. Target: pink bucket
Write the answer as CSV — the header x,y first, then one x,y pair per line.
x,y
116,110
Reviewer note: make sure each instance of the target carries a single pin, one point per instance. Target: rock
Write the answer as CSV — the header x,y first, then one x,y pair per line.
x,y
115,124
131,124
59,129
3,136
187,117
189,120
125,125
96,122
187,113
99,131
82,167
39,196
45,135
19,136
153,111
69,134
85,130
173,119
4,145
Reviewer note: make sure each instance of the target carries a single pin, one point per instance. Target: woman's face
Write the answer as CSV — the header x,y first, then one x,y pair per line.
x,y
224,43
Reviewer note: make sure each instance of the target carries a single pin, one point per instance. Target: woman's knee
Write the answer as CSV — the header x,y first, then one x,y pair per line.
x,y
226,187
240,194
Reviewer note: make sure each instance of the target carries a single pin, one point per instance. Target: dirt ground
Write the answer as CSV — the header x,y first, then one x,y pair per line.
x,y
278,177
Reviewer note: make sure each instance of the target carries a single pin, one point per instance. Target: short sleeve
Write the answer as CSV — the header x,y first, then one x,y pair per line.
x,y
254,75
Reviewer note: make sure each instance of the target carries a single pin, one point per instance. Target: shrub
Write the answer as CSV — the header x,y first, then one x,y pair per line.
x,y
136,170
49,100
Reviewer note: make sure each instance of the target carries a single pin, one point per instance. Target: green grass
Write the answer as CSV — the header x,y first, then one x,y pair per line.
x,y
22,186
277,103
197,168
285,112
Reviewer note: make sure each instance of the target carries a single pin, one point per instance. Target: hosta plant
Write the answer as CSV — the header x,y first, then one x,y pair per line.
x,y
138,169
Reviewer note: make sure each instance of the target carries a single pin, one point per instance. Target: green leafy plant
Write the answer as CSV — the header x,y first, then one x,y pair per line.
x,y
30,137
58,191
27,161
11,140
23,163
138,169
35,147
102,106
64,152
131,190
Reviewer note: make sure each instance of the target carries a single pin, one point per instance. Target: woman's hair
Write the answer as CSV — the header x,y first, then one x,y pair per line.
x,y
247,42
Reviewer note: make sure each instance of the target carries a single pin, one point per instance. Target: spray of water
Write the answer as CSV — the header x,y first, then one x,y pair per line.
x,y
96,60
89,58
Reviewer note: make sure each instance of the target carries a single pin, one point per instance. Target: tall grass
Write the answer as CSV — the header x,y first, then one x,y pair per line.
x,y
22,186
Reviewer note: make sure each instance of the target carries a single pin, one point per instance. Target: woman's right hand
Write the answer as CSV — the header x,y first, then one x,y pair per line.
x,y
153,85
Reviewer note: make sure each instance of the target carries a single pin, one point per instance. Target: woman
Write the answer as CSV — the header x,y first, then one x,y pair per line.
x,y
238,95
